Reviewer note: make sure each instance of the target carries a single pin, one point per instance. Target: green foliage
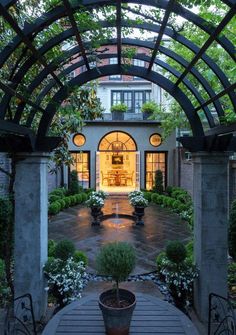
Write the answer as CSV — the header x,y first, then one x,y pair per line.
x,y
4,289
53,198
119,108
178,200
150,107
54,208
51,248
84,197
67,202
176,268
232,231
232,274
6,225
62,203
7,238
189,249
78,198
65,279
64,249
79,256
147,196
73,182
158,183
59,192
160,258
117,260
176,252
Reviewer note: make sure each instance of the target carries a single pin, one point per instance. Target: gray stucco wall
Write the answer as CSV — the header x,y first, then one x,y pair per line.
x,y
140,132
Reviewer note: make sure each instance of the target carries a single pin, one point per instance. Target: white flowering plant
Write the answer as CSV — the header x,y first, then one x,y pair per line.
x,y
138,201
100,194
65,279
94,201
134,194
179,278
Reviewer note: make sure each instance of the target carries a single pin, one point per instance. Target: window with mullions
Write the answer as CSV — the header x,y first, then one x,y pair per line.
x,y
155,161
114,76
81,165
141,63
133,99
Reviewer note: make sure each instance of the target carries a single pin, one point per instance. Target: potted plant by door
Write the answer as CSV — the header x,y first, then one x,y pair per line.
x,y
139,203
95,202
117,260
118,111
149,108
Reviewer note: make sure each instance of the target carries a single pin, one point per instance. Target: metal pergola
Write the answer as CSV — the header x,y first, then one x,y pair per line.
x,y
17,125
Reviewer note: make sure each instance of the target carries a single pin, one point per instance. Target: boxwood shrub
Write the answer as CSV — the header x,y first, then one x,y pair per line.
x,y
78,198
54,208
53,197
84,196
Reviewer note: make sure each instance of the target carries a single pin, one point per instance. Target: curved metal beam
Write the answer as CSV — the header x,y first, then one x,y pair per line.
x,y
180,11
107,70
75,50
169,32
141,57
59,12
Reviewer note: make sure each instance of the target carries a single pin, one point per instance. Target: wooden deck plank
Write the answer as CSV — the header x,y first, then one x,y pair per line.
x,y
149,323
151,316
134,318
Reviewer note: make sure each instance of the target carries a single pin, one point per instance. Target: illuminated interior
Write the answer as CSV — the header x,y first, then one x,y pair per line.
x,y
118,163
155,161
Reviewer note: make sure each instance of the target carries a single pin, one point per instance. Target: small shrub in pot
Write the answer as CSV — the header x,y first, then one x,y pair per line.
x,y
117,260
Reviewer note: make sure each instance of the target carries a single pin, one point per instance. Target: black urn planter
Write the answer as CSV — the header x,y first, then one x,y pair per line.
x,y
96,213
139,213
117,320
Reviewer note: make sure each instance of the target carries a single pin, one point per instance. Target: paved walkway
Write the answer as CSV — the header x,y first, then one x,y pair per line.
x,y
160,227
151,316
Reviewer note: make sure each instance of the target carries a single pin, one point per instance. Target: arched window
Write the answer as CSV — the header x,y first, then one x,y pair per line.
x,y
117,141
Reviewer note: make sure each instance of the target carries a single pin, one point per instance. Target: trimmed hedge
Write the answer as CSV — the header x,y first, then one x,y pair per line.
x,y
177,199
58,200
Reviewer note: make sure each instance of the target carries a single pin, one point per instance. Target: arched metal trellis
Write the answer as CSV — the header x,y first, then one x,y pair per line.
x,y
17,124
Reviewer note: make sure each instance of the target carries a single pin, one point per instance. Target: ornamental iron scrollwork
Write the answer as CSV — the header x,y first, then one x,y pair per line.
x,y
221,318
20,317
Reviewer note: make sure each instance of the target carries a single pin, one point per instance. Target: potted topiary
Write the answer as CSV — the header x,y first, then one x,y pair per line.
x,y
149,108
118,111
116,260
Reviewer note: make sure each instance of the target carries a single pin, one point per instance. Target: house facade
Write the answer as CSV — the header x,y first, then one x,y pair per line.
x,y
123,155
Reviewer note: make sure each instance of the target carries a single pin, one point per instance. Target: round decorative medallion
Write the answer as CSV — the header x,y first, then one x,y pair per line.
x,y
155,140
79,140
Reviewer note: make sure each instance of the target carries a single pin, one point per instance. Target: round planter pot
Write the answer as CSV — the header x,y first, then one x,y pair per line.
x,y
117,320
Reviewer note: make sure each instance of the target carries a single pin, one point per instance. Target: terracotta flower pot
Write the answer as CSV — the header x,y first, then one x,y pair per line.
x,y
117,320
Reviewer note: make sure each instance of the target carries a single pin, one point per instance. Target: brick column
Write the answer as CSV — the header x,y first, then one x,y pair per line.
x,y
31,228
210,192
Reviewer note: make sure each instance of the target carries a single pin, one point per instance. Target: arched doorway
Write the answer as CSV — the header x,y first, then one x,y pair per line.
x,y
117,163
